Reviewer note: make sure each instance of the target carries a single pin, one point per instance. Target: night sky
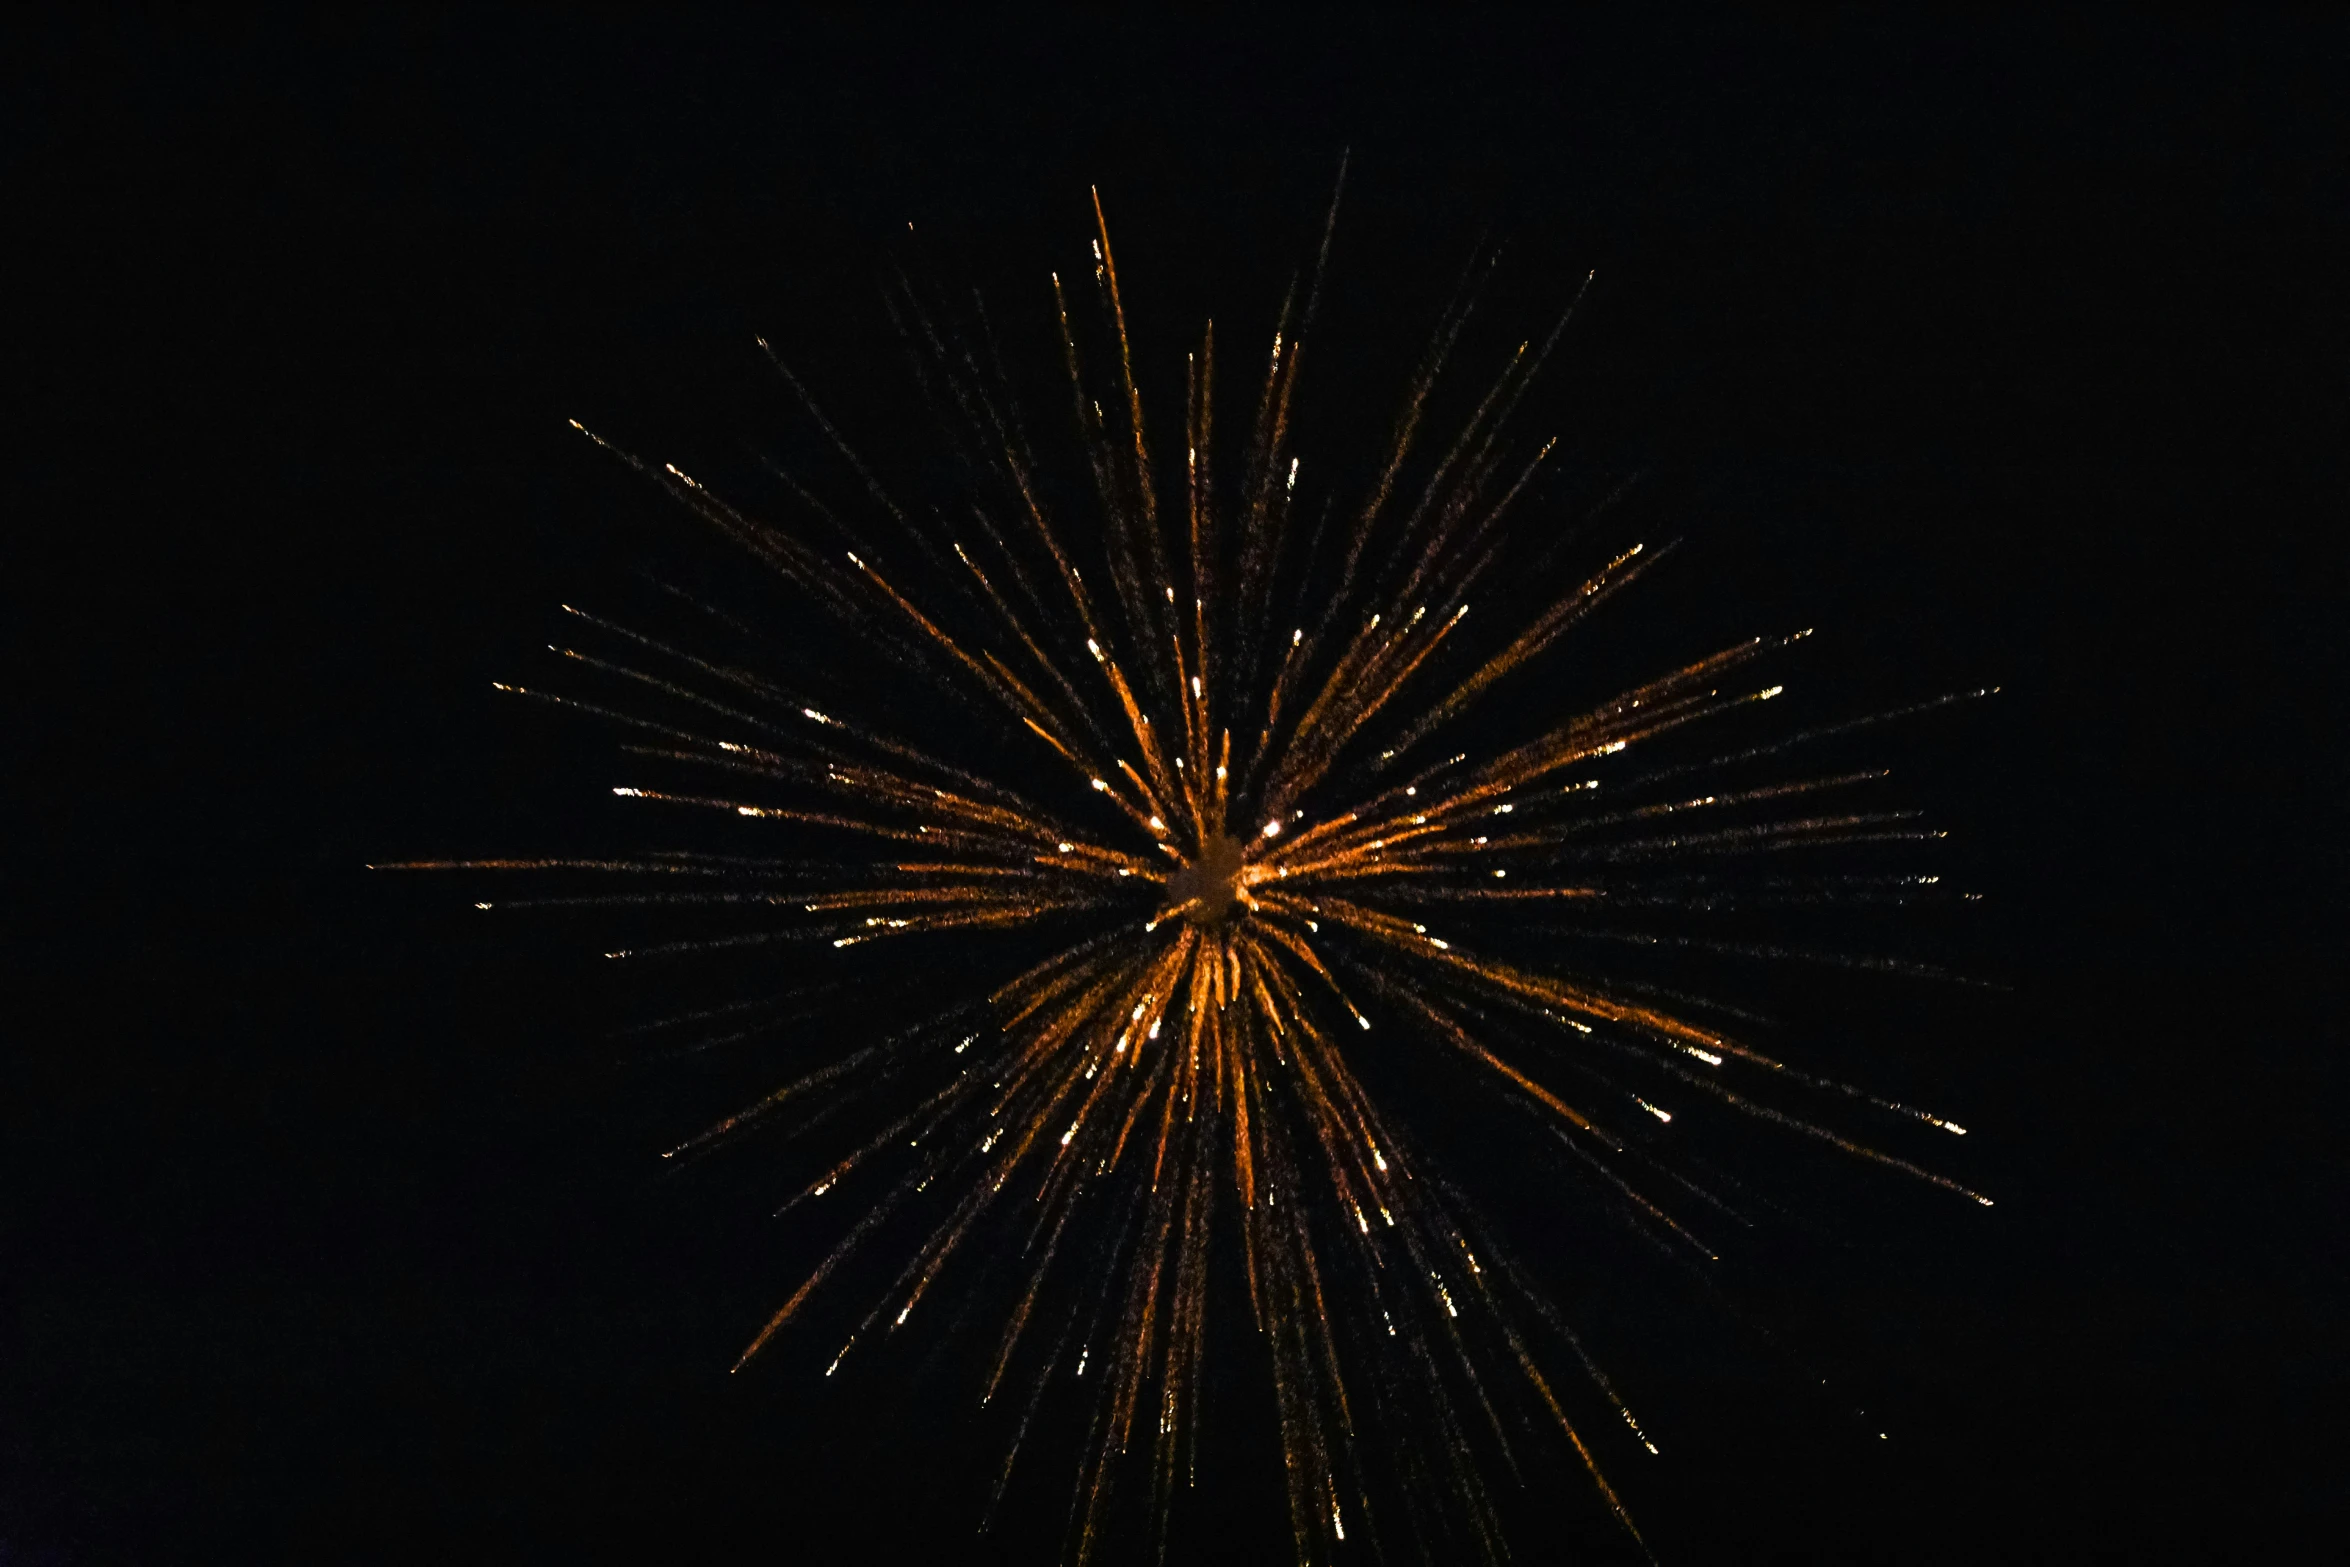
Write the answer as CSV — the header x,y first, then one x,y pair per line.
x,y
331,1227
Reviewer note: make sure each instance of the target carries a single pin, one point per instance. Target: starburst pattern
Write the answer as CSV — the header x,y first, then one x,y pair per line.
x,y
1246,846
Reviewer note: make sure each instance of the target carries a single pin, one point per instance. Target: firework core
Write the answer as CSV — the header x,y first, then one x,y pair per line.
x,y
1210,884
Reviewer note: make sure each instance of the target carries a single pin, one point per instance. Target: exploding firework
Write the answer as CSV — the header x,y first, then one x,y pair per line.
x,y
1189,783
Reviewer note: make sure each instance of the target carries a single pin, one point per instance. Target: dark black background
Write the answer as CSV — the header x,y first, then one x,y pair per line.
x,y
2013,353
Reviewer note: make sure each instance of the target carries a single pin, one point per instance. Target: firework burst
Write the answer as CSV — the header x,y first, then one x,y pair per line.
x,y
1246,847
